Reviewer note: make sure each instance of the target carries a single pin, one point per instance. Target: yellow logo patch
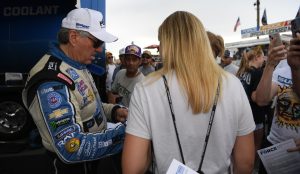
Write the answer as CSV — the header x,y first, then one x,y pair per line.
x,y
58,113
72,145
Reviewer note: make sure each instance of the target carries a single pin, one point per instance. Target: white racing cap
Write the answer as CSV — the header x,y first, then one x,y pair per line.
x,y
90,21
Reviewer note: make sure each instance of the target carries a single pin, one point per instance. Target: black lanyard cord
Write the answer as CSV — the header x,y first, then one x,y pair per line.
x,y
173,117
211,119
209,124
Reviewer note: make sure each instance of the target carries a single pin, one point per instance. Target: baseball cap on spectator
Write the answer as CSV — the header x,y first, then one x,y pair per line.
x,y
88,20
121,51
147,54
108,54
133,50
228,54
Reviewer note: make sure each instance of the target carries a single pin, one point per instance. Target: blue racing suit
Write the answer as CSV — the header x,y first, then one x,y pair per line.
x,y
63,100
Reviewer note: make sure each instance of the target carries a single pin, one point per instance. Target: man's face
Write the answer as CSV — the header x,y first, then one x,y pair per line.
x,y
226,60
122,57
146,59
110,59
132,62
86,47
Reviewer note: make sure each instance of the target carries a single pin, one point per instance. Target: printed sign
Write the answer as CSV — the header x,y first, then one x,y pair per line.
x,y
267,29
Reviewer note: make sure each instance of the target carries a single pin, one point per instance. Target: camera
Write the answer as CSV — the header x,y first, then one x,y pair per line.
x,y
295,26
277,37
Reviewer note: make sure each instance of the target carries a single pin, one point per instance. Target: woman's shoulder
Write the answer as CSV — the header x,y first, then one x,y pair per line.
x,y
230,78
231,82
150,82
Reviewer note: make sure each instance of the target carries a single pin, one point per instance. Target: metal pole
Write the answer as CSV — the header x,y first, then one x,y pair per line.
x,y
258,7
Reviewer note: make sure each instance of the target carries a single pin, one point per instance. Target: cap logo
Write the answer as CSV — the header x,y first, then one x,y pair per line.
x,y
133,49
78,25
102,24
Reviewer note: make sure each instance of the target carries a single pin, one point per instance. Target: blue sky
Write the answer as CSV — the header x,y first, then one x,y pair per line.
x,y
138,20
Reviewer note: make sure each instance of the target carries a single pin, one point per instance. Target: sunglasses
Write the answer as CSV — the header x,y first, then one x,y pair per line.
x,y
146,56
96,42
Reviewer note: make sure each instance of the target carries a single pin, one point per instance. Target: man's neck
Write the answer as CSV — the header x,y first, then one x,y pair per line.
x,y
67,51
224,64
131,74
146,65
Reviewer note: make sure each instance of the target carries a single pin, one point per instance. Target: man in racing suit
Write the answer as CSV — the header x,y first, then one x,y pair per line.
x,y
63,100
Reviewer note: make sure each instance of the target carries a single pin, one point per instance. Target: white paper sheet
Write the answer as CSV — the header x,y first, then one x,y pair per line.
x,y
276,159
177,167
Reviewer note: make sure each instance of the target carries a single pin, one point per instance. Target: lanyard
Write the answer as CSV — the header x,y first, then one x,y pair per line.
x,y
209,124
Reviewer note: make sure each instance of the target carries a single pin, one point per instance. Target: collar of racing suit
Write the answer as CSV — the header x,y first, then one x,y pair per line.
x,y
55,51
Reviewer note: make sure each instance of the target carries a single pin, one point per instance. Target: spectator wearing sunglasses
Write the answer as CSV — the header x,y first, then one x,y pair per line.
x,y
110,68
63,100
146,67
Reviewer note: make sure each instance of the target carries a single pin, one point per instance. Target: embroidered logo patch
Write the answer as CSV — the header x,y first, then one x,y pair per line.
x,y
58,113
52,66
54,99
67,131
81,87
72,145
65,78
72,73
47,90
58,123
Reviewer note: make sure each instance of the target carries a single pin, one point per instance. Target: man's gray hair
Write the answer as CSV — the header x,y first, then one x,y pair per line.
x,y
63,35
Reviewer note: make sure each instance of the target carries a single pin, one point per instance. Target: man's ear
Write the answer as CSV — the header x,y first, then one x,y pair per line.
x,y
73,37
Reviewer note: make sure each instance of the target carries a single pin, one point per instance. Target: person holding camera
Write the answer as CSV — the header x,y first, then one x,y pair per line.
x,y
284,83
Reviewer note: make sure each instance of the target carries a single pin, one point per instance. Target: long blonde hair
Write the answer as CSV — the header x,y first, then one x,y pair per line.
x,y
185,49
244,66
247,58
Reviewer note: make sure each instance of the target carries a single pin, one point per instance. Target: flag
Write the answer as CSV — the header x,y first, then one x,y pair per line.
x,y
298,13
264,20
238,23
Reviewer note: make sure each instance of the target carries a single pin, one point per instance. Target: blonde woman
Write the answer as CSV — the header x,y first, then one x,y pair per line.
x,y
250,73
175,114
